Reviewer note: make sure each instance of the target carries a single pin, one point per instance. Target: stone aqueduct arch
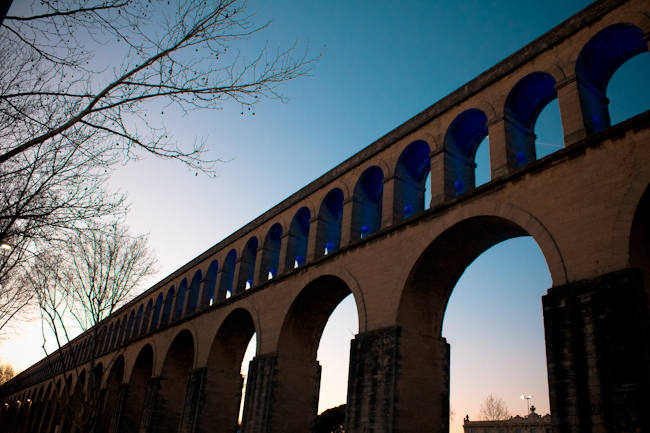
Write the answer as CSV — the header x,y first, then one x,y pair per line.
x,y
170,359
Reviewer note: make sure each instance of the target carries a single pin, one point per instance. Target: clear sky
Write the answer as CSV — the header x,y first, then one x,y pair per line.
x,y
384,62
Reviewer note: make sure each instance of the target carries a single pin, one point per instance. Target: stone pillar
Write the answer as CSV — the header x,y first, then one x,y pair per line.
x,y
50,416
222,388
221,287
199,299
316,241
24,416
388,213
258,278
503,159
442,178
35,416
242,267
346,222
598,354
238,279
568,98
258,394
402,192
286,262
193,399
41,414
398,382
372,382
115,418
148,409
281,394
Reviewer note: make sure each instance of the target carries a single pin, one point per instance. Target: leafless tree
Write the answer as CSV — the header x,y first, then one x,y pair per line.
x,y
92,275
178,54
7,371
69,111
494,409
46,192
13,298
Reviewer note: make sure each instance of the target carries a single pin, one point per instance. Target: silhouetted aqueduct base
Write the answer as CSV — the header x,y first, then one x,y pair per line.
x,y
173,355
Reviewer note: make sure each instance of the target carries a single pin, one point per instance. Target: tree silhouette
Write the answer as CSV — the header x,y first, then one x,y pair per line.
x,y
77,80
330,421
6,372
493,409
92,274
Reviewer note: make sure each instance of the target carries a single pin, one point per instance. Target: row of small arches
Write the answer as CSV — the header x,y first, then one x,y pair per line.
x,y
237,271
597,62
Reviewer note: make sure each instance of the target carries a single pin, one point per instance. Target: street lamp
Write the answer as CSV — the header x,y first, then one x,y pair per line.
x,y
527,398
6,245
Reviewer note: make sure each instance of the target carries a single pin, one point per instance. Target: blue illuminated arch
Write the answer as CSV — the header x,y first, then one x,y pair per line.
x,y
330,217
247,265
462,139
227,275
120,336
129,326
109,337
193,294
180,300
167,307
367,206
147,317
466,132
207,298
523,105
271,253
413,167
157,310
297,239
597,62
138,322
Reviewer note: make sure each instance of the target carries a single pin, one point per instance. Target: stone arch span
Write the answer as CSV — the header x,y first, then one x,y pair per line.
x,y
304,322
416,354
139,384
168,414
526,223
293,393
431,280
597,62
219,409
113,379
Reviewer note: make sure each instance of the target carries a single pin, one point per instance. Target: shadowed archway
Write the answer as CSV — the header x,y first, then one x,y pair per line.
x,y
219,409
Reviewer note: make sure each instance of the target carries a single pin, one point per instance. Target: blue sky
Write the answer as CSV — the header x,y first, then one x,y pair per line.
x,y
383,63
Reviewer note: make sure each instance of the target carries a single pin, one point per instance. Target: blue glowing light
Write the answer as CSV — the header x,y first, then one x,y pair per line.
x,y
598,125
460,187
521,159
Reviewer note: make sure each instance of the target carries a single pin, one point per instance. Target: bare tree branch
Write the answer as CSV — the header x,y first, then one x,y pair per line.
x,y
92,274
67,115
172,55
494,409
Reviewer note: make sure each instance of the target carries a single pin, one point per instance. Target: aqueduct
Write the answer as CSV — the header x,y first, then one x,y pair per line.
x,y
174,353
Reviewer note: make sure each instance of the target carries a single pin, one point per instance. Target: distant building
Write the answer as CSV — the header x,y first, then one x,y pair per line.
x,y
532,423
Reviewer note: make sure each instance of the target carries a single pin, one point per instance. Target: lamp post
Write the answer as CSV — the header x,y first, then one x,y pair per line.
x,y
527,398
